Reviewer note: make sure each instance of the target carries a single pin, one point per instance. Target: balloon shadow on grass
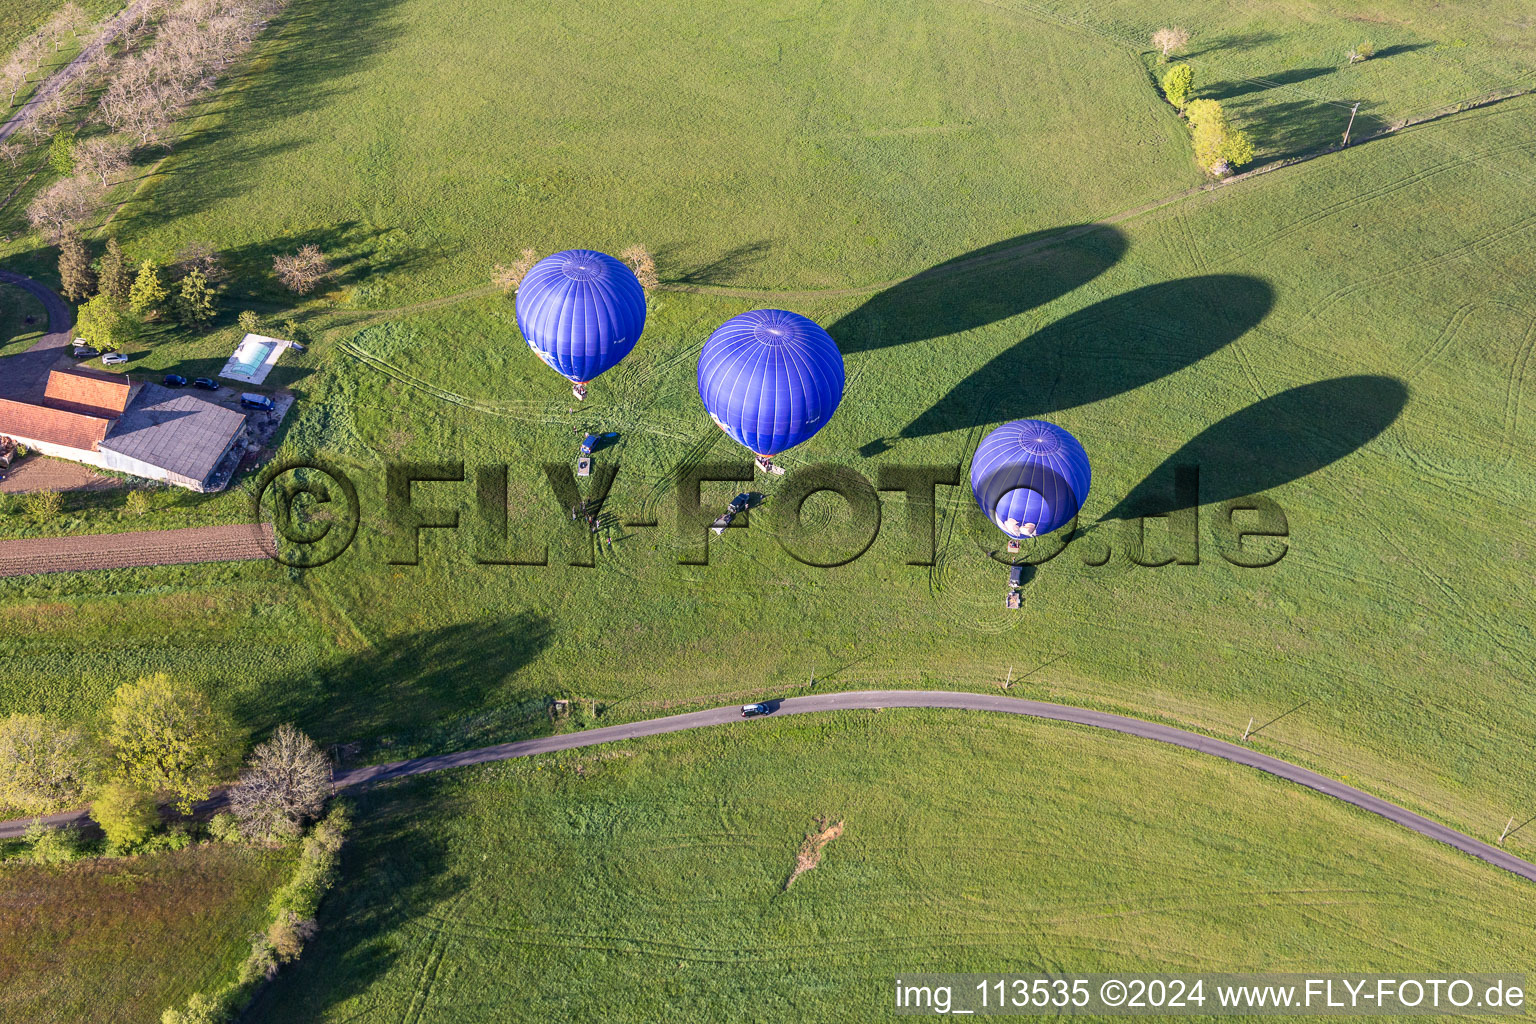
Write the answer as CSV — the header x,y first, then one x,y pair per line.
x,y
1098,352
1283,438
981,287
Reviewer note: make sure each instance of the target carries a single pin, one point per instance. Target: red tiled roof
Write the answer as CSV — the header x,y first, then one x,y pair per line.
x,y
55,426
104,393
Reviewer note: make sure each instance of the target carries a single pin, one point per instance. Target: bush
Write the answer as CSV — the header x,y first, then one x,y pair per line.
x,y
126,814
225,828
137,503
43,507
49,845
249,322
200,1009
177,837
43,765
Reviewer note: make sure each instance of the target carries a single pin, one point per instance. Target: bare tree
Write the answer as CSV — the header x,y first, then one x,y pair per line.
x,y
12,152
104,158
1169,39
303,270
508,278
643,263
285,783
63,205
202,257
13,75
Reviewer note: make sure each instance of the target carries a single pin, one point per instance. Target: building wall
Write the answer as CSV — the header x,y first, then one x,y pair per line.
x,y
60,451
113,461
123,464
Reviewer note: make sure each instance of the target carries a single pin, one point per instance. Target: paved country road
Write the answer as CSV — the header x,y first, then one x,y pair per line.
x,y
879,699
110,30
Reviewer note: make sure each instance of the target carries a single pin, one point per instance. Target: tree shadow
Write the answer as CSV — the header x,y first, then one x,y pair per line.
x,y
981,287
1394,50
723,269
1283,438
1103,350
1236,42
297,65
1246,86
396,870
356,251
451,688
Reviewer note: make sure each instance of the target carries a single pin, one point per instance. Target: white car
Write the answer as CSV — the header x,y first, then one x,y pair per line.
x,y
114,358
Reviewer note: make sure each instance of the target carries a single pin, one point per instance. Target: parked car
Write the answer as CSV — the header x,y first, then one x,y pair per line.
x,y
84,352
753,710
250,401
114,359
175,380
206,383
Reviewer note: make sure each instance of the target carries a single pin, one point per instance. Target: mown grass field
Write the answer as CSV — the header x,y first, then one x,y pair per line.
x,y
119,940
645,882
1349,336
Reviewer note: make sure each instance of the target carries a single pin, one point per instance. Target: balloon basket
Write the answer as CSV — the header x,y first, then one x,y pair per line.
x,y
1013,546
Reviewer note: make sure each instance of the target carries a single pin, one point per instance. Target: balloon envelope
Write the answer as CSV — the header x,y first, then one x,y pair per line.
x,y
770,379
1030,477
581,311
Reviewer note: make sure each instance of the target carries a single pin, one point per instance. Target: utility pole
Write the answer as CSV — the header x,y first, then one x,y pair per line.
x,y
1009,684
1352,111
1248,730
1505,834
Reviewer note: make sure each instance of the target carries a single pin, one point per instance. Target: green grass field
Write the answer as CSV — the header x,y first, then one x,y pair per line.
x,y
119,940
1349,336
646,881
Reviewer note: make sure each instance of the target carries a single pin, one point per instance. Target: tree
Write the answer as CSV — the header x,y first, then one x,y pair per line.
x,y
285,783
137,503
103,326
62,206
1169,39
75,274
61,153
114,278
12,152
103,158
1218,146
507,278
193,304
126,814
303,270
643,264
1178,83
1365,51
166,735
249,322
43,765
148,291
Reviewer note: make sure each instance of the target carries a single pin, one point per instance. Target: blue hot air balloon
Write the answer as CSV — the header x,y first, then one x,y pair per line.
x,y
770,379
582,312
1030,477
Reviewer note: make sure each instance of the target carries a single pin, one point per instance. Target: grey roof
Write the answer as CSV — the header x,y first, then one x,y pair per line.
x,y
178,432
